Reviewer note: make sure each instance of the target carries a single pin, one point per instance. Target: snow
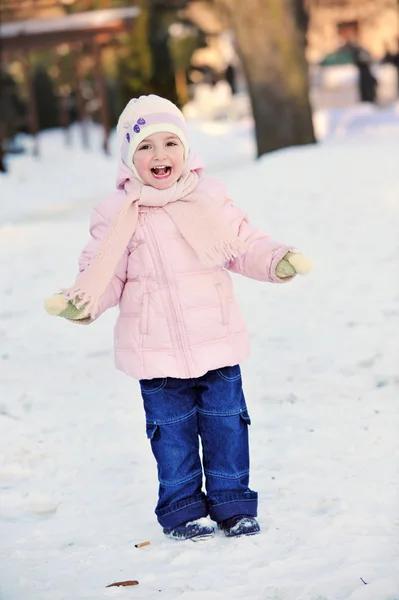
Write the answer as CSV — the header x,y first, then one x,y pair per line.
x,y
84,20
77,479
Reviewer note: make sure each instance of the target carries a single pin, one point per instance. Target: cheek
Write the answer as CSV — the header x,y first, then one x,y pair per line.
x,y
140,161
179,160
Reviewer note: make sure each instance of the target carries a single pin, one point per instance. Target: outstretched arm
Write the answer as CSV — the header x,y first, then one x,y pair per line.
x,y
267,259
59,306
99,227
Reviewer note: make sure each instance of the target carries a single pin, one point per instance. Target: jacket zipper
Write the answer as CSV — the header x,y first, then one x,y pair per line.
x,y
164,278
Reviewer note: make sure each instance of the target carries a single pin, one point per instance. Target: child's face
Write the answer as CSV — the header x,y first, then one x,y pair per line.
x,y
159,160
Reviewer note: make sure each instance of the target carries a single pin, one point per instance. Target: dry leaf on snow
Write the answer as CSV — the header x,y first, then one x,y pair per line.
x,y
123,583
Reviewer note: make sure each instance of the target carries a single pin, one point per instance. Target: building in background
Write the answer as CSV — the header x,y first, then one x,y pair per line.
x,y
76,37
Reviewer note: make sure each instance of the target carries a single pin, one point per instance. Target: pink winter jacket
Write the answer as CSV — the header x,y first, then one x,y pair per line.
x,y
178,317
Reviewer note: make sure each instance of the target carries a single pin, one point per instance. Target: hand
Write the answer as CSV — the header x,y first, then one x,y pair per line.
x,y
59,306
292,264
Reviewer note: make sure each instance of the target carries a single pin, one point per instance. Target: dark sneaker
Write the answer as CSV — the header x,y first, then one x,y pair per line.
x,y
239,525
200,529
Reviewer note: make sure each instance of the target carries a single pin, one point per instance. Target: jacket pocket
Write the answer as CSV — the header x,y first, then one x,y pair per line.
x,y
223,301
144,314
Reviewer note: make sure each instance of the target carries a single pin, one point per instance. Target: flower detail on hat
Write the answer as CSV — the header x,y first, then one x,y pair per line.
x,y
136,127
128,137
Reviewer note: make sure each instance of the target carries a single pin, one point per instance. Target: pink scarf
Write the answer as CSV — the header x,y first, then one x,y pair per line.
x,y
197,216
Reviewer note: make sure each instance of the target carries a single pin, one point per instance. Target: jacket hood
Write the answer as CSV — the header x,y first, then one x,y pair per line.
x,y
194,163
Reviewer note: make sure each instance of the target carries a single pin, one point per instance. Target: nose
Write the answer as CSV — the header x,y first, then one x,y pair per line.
x,y
159,153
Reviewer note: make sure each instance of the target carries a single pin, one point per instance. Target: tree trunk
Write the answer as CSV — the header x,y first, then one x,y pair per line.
x,y
271,40
181,86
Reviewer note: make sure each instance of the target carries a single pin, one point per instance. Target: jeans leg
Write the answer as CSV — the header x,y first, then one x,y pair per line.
x,y
223,424
172,426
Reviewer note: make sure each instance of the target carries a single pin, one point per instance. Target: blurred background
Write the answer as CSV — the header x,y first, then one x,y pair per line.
x,y
79,61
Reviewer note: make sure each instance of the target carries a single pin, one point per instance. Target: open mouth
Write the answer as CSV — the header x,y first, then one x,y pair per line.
x,y
161,172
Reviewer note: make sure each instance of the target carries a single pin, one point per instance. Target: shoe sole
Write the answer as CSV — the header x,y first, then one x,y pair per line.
x,y
194,538
237,535
202,538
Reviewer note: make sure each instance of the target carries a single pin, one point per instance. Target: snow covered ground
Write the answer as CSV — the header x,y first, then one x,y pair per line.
x,y
77,478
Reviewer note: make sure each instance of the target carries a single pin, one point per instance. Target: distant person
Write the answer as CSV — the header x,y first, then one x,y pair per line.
x,y
10,112
367,81
392,58
231,78
161,248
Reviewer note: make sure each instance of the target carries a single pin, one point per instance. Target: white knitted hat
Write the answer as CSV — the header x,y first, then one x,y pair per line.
x,y
145,116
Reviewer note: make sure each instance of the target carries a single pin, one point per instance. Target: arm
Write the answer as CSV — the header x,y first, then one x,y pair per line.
x,y
99,226
58,305
264,254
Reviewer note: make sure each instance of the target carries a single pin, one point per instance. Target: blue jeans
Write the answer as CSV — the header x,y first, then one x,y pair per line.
x,y
178,413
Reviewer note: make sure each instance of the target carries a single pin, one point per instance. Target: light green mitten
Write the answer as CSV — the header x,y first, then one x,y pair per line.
x,y
59,306
292,264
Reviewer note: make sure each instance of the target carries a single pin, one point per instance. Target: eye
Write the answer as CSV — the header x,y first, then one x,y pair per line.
x,y
144,147
171,144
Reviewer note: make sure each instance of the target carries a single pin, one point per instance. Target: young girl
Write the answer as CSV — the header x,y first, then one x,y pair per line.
x,y
162,247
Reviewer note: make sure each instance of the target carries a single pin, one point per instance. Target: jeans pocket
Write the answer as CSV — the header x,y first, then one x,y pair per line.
x,y
151,386
229,373
151,430
245,417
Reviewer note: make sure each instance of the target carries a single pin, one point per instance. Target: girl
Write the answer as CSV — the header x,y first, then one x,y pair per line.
x,y
162,247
